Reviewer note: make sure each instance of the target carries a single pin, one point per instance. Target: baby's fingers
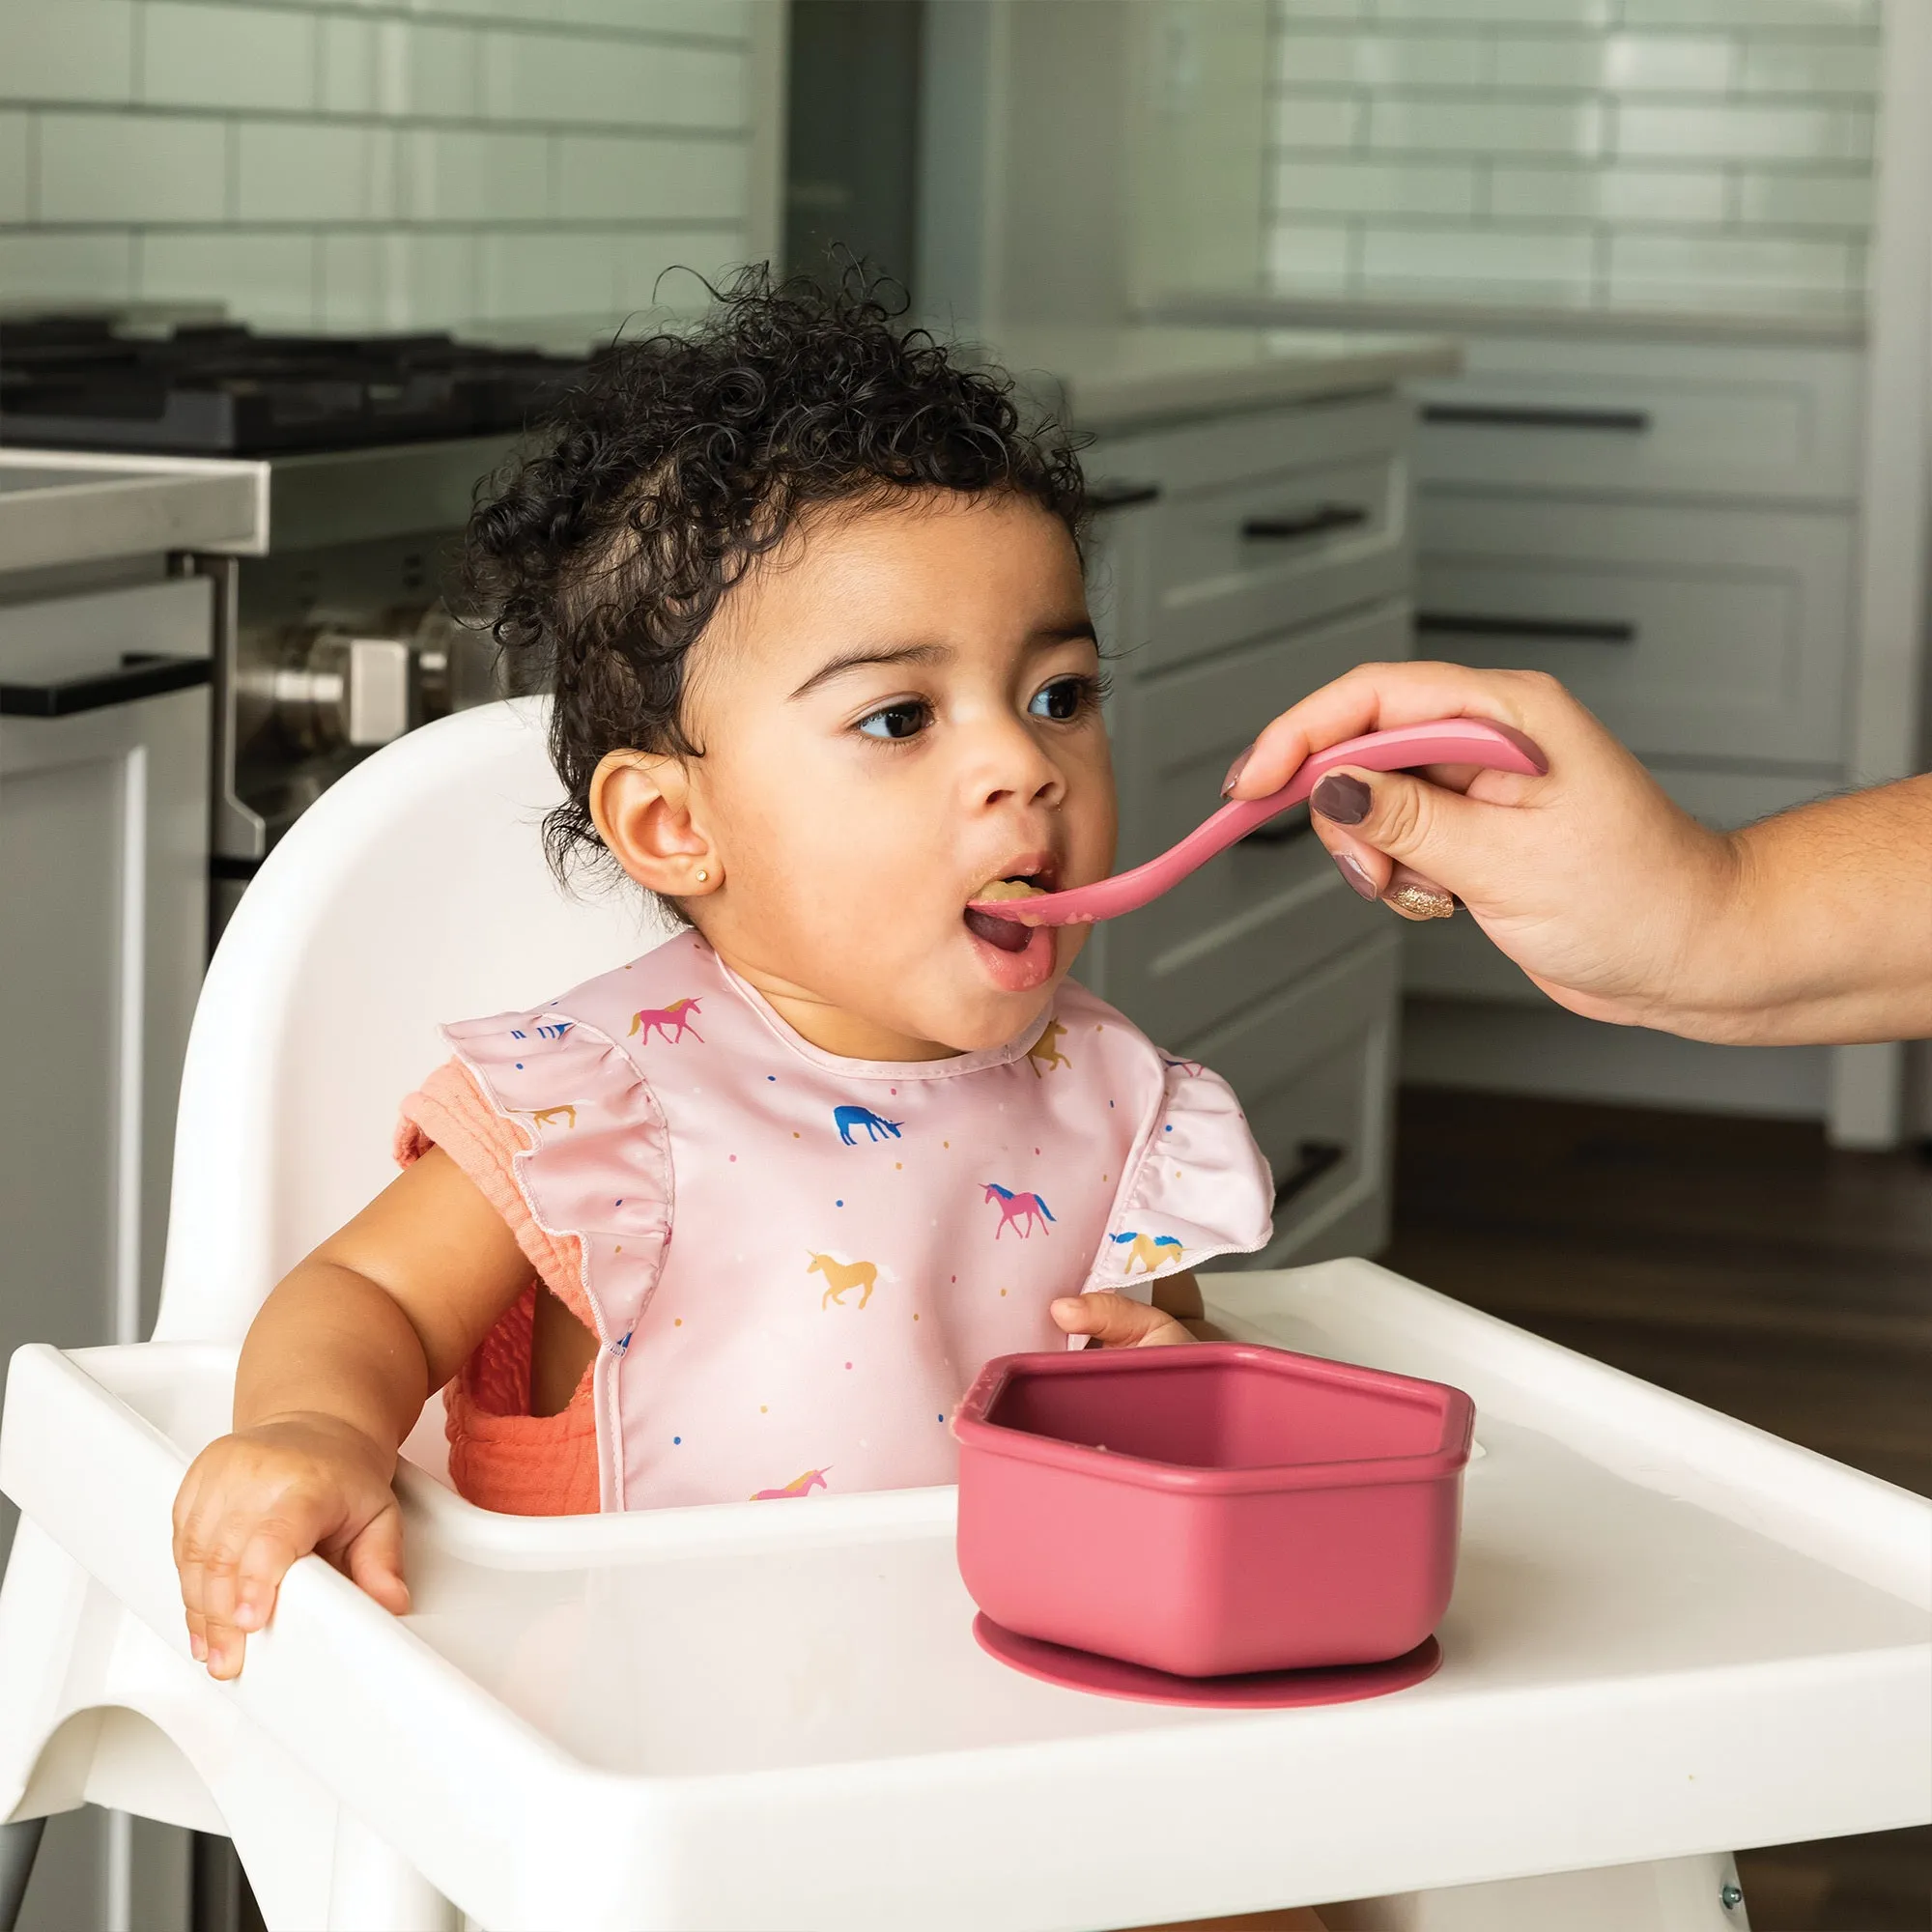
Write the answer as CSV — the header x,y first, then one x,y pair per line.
x,y
264,1562
1115,1321
374,1560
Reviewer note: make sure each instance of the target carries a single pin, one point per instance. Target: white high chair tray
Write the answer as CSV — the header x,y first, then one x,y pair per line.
x,y
1671,1633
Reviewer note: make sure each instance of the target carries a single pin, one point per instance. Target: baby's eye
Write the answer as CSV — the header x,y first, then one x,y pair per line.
x,y
1064,699
903,717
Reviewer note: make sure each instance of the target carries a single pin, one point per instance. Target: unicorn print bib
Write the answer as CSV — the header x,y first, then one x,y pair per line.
x,y
796,1264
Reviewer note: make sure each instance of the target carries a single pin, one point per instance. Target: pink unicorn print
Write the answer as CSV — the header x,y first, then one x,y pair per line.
x,y
798,1485
1017,1211
671,1021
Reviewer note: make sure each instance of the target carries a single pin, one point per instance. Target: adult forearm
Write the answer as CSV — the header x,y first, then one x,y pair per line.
x,y
1826,937
330,1342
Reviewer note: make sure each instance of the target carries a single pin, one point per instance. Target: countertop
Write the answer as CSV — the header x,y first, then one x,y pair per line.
x,y
1106,381
59,507
1248,310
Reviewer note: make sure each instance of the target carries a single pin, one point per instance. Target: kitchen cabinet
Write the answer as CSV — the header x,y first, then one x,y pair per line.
x,y
103,866
1243,560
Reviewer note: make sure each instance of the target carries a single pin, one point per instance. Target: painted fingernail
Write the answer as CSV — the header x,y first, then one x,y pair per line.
x,y
1419,897
1341,799
1356,875
1235,770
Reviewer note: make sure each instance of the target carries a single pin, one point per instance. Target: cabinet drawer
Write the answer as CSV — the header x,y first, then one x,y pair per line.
x,y
1615,418
1312,1069
1250,920
1706,631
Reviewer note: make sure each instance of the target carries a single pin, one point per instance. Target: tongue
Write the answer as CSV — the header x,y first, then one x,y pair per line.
x,y
1007,935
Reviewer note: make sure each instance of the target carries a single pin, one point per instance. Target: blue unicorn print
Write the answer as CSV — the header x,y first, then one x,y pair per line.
x,y
845,1118
550,1030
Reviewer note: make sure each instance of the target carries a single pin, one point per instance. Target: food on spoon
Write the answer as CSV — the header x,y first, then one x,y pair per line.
x,y
1007,889
1009,935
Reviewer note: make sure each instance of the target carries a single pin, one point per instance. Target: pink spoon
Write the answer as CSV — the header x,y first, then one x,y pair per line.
x,y
1446,741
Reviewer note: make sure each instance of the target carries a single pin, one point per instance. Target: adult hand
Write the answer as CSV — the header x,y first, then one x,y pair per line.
x,y
1808,927
1589,877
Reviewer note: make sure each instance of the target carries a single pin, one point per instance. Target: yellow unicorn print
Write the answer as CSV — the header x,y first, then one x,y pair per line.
x,y
841,1275
1045,1053
1149,1250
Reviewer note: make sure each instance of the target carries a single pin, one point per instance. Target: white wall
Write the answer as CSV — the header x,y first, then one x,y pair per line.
x,y
1708,155
383,163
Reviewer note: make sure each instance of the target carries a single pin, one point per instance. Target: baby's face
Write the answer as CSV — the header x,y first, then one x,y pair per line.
x,y
899,707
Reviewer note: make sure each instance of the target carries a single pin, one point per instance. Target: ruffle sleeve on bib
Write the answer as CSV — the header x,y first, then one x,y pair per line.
x,y
1196,1186
596,1170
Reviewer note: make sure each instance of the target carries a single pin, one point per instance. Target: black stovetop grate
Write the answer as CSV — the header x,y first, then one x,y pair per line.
x,y
222,389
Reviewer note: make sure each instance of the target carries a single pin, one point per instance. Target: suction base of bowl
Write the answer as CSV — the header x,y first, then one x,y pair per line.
x,y
1260,1690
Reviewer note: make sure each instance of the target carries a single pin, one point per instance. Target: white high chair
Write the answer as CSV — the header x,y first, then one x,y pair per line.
x,y
1672,1633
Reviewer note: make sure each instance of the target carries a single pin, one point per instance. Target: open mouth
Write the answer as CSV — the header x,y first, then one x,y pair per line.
x,y
1025,881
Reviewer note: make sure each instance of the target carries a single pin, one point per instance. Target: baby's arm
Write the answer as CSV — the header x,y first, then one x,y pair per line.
x,y
336,1368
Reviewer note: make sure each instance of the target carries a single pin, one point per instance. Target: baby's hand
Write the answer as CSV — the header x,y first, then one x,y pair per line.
x,y
252,1503
1117,1322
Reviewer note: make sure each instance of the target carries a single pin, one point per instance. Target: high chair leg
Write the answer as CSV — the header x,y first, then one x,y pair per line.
x,y
376,1891
1699,1894
19,1844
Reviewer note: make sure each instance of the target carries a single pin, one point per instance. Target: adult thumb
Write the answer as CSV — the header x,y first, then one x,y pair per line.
x,y
1427,828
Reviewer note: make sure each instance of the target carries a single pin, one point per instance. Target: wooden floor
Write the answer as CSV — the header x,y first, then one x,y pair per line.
x,y
1742,1262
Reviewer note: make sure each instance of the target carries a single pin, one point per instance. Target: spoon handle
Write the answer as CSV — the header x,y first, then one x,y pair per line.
x,y
1447,741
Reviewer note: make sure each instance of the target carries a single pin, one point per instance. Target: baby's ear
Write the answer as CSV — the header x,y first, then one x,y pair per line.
x,y
640,803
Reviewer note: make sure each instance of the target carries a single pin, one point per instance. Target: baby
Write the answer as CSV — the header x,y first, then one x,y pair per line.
x,y
743,1218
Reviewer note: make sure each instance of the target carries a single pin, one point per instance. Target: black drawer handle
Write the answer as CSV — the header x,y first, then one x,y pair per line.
x,y
1284,829
139,675
1566,629
1121,495
1314,522
1525,415
1312,1160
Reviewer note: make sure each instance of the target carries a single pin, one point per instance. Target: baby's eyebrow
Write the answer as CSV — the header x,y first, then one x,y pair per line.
x,y
858,660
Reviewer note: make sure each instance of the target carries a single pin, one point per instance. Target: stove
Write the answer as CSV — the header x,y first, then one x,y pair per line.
x,y
331,631
222,389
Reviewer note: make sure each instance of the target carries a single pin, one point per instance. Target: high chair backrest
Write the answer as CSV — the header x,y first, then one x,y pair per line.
x,y
413,892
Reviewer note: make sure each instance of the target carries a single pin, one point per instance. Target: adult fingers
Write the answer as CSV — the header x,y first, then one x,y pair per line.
x,y
1422,834
1374,697
1112,1321
374,1560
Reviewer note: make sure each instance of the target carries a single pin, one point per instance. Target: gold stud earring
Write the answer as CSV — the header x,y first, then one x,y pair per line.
x,y
703,876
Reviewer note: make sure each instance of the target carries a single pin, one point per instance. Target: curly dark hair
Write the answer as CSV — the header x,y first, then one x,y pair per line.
x,y
685,456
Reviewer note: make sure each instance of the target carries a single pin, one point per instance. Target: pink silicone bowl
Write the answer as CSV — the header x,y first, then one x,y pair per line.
x,y
1213,1509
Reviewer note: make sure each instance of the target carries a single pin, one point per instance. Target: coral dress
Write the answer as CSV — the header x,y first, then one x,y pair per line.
x,y
795,1263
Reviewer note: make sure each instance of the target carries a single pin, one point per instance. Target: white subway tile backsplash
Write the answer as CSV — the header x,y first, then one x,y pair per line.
x,y
1811,67
1494,126
1615,63
1305,185
1607,194
73,268
398,278
562,78
1549,265
1727,270
66,50
271,277
1756,16
622,178
650,267
459,174
427,70
1786,198
1308,258
203,56
1318,121
131,169
568,274
14,130
1744,130
364,163
1379,60
315,171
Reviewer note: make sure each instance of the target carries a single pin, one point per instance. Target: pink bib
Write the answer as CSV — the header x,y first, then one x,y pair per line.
x,y
796,1264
